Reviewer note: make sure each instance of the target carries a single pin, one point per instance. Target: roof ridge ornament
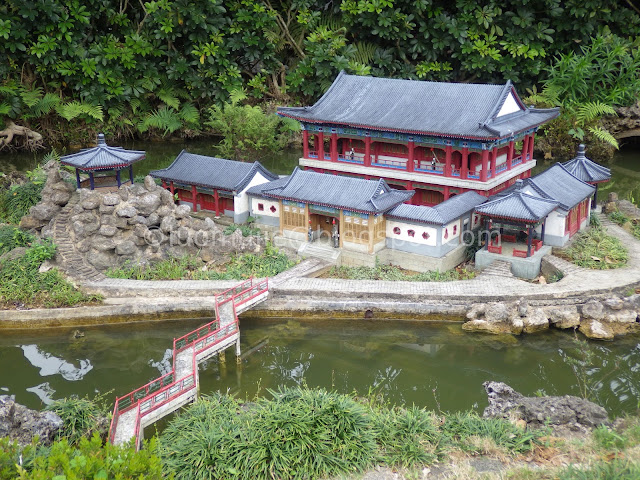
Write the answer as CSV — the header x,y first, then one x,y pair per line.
x,y
101,140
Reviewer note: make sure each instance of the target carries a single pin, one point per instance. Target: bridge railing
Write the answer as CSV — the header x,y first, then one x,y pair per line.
x,y
164,389
129,400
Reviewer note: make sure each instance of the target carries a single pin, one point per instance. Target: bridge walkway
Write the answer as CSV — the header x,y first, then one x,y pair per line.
x,y
146,405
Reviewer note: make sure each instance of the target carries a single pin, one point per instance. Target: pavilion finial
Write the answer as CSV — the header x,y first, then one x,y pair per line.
x,y
519,184
581,150
101,140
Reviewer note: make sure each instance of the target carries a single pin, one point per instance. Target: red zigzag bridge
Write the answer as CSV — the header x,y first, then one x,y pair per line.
x,y
144,406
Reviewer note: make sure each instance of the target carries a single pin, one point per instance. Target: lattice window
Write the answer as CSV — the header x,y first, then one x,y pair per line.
x,y
411,233
396,230
425,235
261,207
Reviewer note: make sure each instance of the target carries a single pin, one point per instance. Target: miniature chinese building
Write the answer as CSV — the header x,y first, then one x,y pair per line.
x,y
588,171
213,184
368,216
439,139
103,159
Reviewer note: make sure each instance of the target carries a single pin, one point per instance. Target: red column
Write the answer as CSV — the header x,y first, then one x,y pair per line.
x,y
173,190
447,161
411,147
485,165
305,143
320,148
164,184
510,155
464,168
367,151
334,147
525,148
194,197
446,193
494,159
216,202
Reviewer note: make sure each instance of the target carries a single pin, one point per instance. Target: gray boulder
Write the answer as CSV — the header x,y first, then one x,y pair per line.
x,y
147,204
535,321
110,199
44,211
21,424
182,211
126,211
149,183
126,247
593,309
573,412
564,317
168,224
108,230
101,260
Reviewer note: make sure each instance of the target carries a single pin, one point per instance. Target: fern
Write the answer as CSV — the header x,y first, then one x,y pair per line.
x,y
73,109
31,97
169,97
190,115
365,52
237,95
164,119
590,111
45,105
5,108
605,136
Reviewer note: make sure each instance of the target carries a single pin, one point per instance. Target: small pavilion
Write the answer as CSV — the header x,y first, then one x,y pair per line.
x,y
588,171
102,159
519,217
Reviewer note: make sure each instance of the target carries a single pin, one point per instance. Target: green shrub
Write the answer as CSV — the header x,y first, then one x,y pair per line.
x,y
12,237
245,229
266,264
92,460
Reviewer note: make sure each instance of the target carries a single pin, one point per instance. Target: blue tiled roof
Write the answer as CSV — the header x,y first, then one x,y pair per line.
x,y
191,169
518,206
257,190
349,193
556,183
443,213
449,109
102,157
585,169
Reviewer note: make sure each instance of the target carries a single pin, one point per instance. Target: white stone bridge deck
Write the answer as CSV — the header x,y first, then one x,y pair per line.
x,y
144,406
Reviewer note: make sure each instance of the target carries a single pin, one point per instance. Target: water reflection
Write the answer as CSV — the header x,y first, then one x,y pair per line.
x,y
431,365
51,365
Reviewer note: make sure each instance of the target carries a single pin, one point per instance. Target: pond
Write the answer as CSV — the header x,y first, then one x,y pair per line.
x,y
434,365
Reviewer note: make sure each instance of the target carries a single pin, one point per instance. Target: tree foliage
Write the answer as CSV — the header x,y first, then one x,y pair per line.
x,y
154,67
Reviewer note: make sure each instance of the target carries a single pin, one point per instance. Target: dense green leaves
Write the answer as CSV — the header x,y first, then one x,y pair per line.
x,y
132,66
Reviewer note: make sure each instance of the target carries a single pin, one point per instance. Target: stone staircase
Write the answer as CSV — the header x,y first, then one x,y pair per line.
x,y
68,259
498,268
320,250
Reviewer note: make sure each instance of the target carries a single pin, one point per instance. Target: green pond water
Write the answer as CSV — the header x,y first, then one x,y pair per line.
x,y
434,365
431,365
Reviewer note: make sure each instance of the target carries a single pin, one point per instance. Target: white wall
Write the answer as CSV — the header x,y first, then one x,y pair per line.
x,y
267,204
449,227
241,200
509,106
404,236
554,224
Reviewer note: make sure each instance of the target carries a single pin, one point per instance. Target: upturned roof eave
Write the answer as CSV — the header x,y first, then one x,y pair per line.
x,y
415,132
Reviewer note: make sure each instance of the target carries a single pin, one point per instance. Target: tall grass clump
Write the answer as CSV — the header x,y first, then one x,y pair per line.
x,y
616,469
393,273
597,250
81,417
313,433
21,281
12,237
296,434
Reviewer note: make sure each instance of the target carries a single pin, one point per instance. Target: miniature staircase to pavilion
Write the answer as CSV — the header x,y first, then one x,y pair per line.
x,y
166,394
322,250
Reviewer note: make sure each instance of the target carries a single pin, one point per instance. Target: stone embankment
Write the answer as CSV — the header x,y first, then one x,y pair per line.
x,y
138,223
21,424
